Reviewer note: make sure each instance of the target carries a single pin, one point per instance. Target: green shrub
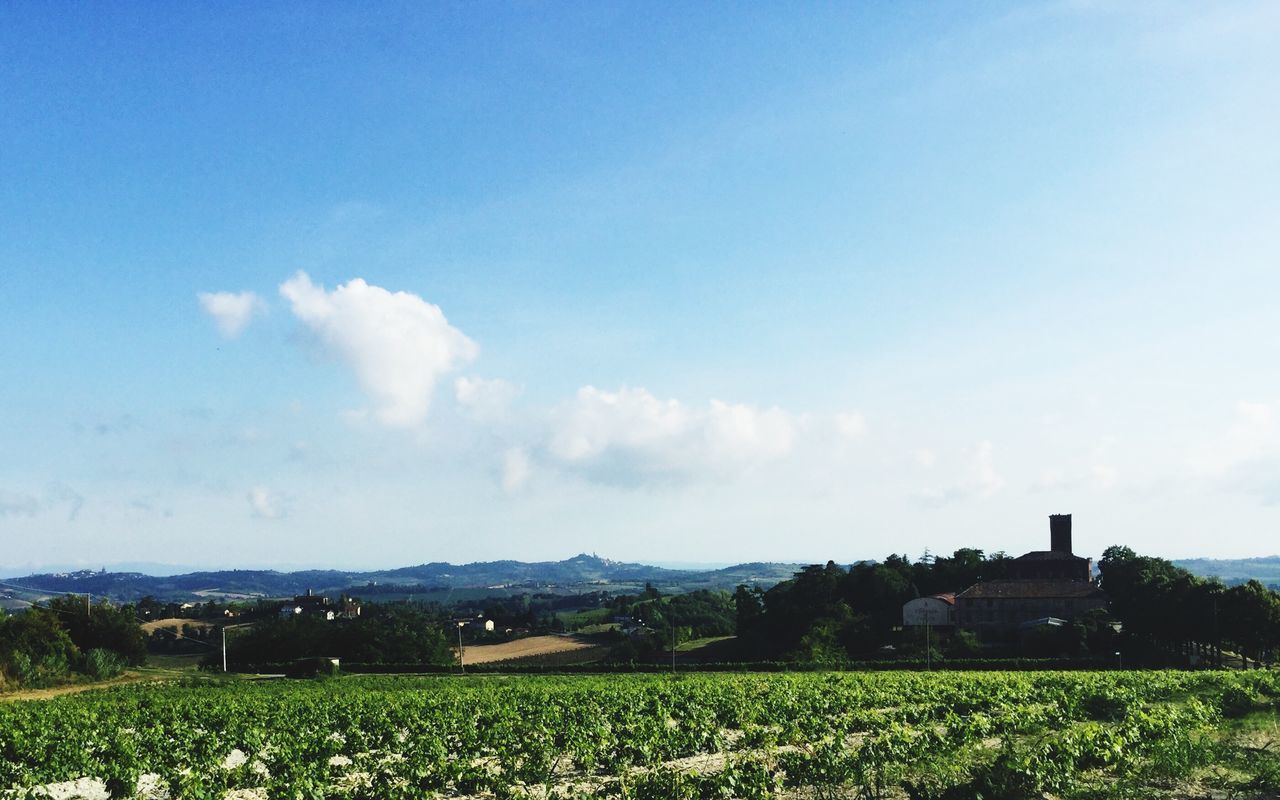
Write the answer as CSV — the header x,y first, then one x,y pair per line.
x,y
1238,700
100,663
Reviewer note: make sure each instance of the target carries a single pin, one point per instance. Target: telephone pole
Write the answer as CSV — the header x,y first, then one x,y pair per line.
x,y
462,663
928,649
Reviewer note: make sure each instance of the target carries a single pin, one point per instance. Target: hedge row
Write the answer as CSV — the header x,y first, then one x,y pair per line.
x,y
968,664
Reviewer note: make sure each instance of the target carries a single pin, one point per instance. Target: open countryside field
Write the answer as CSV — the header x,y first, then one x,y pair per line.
x,y
175,623
528,647
901,735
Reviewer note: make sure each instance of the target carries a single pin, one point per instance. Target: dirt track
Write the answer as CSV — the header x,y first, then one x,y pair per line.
x,y
523,648
75,688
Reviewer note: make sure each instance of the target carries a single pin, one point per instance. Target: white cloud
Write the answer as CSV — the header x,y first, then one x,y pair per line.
x,y
741,432
978,479
263,504
1256,418
18,504
925,457
56,496
485,399
1105,476
231,311
515,469
984,478
851,424
1253,435
630,436
1247,458
397,344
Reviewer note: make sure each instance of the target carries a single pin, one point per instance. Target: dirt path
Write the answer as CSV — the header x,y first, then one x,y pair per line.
x,y
523,648
130,676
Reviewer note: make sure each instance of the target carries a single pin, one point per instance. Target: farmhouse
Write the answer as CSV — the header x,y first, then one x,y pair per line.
x,y
1053,583
937,610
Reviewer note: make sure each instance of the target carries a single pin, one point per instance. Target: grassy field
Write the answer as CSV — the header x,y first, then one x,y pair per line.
x,y
931,736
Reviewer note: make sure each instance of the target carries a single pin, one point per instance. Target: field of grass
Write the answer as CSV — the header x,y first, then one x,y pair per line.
x,y
925,736
694,645
573,620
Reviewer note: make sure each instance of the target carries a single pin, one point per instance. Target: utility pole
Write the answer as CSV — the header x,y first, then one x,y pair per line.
x,y
462,663
928,650
224,641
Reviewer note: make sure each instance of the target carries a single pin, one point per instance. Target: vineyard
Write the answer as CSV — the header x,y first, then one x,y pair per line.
x,y
821,735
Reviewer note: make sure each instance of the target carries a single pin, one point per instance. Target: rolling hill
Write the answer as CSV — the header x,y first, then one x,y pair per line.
x,y
580,573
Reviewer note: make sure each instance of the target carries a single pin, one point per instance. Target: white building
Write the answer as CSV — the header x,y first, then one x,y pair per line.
x,y
937,610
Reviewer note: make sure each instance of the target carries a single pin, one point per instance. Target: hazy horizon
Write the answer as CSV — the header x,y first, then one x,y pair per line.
x,y
165,570
392,285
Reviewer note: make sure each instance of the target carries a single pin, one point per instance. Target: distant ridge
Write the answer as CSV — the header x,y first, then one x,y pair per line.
x,y
583,572
1265,569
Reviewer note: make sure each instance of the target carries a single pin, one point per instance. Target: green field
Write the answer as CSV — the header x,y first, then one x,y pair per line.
x,y
908,735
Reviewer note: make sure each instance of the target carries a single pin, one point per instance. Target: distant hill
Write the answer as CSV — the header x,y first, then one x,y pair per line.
x,y
580,573
1235,570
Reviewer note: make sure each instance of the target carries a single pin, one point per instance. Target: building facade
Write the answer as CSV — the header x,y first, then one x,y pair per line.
x,y
1053,583
937,610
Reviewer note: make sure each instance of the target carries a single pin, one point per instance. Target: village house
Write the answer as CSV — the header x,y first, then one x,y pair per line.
x,y
320,606
937,610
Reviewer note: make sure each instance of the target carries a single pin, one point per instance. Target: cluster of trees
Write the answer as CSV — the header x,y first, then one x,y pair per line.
x,y
1166,608
829,613
149,608
43,646
664,621
538,612
398,633
693,615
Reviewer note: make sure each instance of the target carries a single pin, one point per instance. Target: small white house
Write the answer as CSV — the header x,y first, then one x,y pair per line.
x,y
488,625
938,610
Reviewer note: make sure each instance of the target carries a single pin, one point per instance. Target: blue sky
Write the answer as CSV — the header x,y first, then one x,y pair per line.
x,y
303,284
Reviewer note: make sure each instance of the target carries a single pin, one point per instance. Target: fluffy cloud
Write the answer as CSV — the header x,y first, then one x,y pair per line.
x,y
630,436
57,496
851,424
397,344
485,399
19,504
515,469
978,479
1247,459
231,311
263,504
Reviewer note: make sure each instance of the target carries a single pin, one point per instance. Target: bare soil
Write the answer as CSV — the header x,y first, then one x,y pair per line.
x,y
523,648
175,622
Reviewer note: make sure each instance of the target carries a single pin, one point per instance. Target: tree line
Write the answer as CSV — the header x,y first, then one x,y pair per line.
x,y
390,633
1167,610
67,638
1157,612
